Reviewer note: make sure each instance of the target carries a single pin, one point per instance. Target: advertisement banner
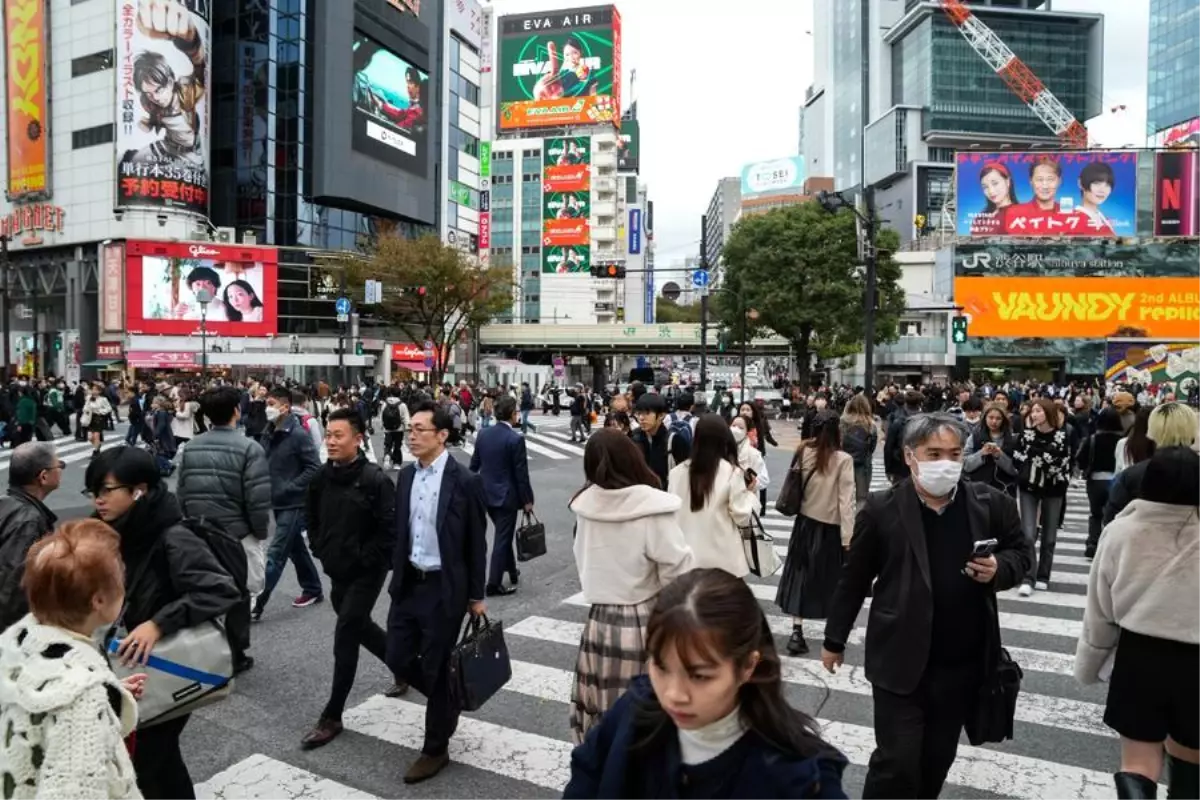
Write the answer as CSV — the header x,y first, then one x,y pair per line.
x,y
486,47
163,79
461,194
485,232
389,120
485,159
1047,194
635,231
163,282
566,206
1183,134
1097,308
162,359
112,282
1177,193
628,146
567,260
560,68
566,232
27,43
1147,362
1079,258
566,164
781,176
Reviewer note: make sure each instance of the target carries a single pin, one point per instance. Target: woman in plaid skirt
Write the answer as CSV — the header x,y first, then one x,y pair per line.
x,y
628,546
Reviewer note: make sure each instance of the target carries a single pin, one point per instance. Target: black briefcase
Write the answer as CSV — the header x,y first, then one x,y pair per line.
x,y
479,665
531,538
996,705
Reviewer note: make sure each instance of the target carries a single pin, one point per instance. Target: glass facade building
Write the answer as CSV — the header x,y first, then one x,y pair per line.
x,y
1173,79
464,102
850,20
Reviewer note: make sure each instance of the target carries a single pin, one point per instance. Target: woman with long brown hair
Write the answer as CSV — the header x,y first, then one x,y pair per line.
x,y
822,530
860,437
628,545
1043,459
711,716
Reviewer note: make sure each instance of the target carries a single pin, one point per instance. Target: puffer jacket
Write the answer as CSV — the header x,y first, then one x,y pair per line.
x,y
179,582
23,520
292,459
223,477
351,518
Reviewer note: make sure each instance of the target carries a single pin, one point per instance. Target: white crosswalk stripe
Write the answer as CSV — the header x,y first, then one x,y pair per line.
x,y
1039,632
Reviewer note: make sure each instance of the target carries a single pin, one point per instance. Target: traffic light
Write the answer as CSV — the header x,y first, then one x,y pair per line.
x,y
722,340
358,348
958,330
57,343
608,271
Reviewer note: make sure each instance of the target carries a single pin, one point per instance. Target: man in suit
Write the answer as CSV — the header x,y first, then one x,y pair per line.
x,y
932,629
437,576
500,460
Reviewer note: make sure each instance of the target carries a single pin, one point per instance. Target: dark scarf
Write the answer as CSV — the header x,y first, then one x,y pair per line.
x,y
142,526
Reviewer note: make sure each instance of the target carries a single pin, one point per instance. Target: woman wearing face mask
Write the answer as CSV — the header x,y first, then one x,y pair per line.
x,y
822,530
710,720
179,584
74,581
95,414
1043,459
748,456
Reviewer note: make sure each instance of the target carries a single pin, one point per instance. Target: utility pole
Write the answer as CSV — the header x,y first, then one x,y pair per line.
x,y
704,305
742,308
4,265
37,354
345,335
869,299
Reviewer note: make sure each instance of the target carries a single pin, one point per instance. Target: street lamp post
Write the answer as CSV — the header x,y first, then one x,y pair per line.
x,y
203,297
831,202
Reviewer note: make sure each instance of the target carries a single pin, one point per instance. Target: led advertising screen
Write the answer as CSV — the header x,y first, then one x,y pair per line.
x,y
1149,361
26,41
1177,193
1086,308
565,218
391,98
628,146
781,176
1090,194
164,282
566,164
164,72
560,68
567,260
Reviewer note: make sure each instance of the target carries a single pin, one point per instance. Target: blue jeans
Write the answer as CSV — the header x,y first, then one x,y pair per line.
x,y
525,425
134,433
288,543
1051,512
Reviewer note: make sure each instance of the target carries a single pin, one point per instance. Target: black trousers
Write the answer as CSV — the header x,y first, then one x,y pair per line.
x,y
1097,494
421,633
352,602
916,735
504,520
158,762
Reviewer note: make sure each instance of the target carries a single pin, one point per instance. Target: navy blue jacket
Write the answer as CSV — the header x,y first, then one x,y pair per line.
x,y
500,460
600,767
462,536
293,461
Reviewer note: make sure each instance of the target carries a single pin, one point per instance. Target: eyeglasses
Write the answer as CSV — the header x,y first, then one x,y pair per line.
x,y
103,491
422,429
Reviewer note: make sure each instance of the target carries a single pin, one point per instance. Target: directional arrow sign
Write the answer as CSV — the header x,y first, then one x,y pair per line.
x,y
342,306
700,278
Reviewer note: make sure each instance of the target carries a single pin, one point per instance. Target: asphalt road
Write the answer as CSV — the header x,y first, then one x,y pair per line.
x,y
518,744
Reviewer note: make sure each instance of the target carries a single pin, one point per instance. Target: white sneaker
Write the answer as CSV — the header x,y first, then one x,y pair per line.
x,y
1026,590
1041,586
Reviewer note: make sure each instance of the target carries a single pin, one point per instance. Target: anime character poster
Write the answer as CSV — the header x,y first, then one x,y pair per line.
x,y
391,107
163,75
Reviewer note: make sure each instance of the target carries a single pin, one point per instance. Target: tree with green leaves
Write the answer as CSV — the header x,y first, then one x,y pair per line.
x,y
798,268
431,291
668,311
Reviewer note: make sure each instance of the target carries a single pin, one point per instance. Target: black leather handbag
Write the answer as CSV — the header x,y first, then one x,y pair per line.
x,y
996,706
479,665
531,538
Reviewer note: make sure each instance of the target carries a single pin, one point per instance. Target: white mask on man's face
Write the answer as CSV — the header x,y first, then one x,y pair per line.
x,y
272,413
937,478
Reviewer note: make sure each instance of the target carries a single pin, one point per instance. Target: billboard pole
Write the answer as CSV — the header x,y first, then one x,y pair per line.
x,y
869,299
704,306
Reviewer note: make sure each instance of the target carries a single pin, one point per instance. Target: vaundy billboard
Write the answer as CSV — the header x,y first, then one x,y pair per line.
x,y
560,68
1086,193
27,45
164,71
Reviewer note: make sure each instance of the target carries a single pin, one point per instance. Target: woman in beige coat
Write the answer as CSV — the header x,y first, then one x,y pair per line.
x,y
716,499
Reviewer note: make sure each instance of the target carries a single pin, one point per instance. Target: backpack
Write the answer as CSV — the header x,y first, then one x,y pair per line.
x,y
391,418
227,550
681,427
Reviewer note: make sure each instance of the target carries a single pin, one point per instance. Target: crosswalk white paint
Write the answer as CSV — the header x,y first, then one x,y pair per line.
x,y
261,776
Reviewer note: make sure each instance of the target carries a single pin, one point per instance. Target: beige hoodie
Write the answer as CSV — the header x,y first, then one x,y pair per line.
x,y
628,544
1144,579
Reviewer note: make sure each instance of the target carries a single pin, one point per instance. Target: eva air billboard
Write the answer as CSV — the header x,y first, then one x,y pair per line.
x,y
560,68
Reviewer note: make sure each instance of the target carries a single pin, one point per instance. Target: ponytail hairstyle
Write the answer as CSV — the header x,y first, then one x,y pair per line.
x,y
707,614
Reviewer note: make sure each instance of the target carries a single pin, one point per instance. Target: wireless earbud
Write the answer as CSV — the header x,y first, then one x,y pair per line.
x,y
137,495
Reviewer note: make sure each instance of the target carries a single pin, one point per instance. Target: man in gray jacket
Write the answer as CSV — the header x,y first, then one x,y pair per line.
x,y
223,478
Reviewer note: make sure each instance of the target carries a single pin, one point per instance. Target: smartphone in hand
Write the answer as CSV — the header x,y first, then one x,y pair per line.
x,y
751,476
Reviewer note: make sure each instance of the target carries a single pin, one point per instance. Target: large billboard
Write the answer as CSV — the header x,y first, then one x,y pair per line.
x,y
564,260
566,164
566,203
1177,193
26,41
1147,362
391,97
163,79
560,68
1167,308
163,282
781,176
1169,258
1090,193
629,146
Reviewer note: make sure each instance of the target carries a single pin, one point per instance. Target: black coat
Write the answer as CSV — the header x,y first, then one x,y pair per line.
x,y
462,536
23,520
351,519
889,548
179,582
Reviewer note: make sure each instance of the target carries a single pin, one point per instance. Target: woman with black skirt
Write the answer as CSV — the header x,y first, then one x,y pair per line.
x,y
1141,591
822,530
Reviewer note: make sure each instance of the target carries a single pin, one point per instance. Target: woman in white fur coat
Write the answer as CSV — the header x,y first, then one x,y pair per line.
x,y
1142,593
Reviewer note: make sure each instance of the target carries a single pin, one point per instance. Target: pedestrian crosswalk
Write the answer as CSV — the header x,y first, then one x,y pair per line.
x,y
546,444
1061,749
70,451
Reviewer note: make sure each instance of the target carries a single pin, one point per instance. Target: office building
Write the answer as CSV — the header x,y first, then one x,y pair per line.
x,y
1174,64
723,211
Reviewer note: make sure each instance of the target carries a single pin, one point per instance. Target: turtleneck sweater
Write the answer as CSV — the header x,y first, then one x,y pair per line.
x,y
704,744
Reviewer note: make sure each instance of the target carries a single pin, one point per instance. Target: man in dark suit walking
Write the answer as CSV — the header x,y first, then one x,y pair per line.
x,y
437,576
500,460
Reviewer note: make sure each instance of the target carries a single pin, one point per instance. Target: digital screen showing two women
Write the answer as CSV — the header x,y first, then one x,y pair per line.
x,y
174,288
1047,194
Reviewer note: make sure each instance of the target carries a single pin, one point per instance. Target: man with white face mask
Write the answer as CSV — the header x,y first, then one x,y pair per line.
x,y
933,619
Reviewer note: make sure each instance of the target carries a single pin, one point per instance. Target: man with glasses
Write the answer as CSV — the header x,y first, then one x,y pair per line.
x,y
33,473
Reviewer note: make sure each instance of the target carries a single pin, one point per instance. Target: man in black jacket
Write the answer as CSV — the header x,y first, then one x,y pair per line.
x,y
932,627
33,473
351,517
662,448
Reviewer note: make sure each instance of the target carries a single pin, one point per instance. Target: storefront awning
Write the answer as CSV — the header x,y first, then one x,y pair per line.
x,y
103,363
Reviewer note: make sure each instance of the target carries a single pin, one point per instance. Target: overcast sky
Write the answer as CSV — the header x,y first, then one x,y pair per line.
x,y
720,85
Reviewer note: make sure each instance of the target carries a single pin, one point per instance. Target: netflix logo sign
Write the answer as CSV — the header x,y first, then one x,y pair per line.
x,y
1177,193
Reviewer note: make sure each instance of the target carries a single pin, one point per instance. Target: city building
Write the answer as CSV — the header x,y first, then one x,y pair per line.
x,y
723,211
897,90
1174,65
462,38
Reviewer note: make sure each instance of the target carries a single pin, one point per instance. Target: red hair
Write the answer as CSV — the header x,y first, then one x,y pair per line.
x,y
66,569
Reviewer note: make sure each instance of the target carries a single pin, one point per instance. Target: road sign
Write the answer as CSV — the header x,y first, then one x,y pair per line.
x,y
700,278
559,368
343,317
429,353
342,306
